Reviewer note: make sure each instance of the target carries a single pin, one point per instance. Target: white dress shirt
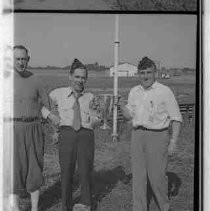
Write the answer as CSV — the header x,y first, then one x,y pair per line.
x,y
153,108
64,99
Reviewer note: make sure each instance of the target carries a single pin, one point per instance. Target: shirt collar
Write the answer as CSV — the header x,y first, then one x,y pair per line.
x,y
154,85
71,92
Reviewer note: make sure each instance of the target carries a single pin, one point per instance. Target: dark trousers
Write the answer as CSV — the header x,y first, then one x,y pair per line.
x,y
76,146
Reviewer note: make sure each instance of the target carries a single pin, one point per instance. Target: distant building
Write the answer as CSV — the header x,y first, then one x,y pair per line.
x,y
124,70
175,71
165,75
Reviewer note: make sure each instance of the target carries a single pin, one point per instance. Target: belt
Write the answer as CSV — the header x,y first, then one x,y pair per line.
x,y
21,119
153,130
63,127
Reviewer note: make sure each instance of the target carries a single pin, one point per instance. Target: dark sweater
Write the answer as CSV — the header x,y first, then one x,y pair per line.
x,y
29,95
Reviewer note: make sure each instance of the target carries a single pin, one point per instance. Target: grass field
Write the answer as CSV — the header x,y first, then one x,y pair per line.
x,y
112,177
182,86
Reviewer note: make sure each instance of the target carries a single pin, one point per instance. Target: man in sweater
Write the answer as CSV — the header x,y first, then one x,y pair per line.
x,y
27,145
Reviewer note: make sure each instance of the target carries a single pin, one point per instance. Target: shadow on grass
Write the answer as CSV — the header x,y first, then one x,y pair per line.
x,y
104,181
51,196
102,184
174,183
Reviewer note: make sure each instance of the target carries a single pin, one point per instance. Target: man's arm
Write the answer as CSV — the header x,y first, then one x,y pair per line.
x,y
125,108
125,111
55,120
47,104
176,120
176,126
42,94
172,147
49,113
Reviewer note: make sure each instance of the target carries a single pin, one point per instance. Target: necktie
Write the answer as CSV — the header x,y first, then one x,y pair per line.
x,y
77,115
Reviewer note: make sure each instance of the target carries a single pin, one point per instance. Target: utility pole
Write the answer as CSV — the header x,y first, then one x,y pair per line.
x,y
116,52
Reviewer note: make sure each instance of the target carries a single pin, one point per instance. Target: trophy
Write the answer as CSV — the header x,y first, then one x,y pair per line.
x,y
103,104
107,106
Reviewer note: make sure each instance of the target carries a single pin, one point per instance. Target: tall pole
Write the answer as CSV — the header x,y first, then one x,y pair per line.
x,y
116,50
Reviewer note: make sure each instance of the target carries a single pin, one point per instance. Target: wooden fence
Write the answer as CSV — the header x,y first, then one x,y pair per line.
x,y
188,112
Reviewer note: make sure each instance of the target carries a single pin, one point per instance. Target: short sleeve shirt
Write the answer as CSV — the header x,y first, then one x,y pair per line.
x,y
64,100
153,108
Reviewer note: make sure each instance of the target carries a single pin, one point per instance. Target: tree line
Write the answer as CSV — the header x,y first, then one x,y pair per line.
x,y
153,5
94,67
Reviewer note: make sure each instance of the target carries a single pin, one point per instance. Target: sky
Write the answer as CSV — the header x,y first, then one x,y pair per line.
x,y
56,39
62,4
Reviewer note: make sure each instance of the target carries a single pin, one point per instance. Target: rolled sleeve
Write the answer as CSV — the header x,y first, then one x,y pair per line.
x,y
130,105
173,107
52,101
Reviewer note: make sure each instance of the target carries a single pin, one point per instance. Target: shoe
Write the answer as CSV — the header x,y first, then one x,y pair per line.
x,y
81,207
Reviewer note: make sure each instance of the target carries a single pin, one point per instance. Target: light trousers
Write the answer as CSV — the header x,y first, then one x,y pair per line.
x,y
149,161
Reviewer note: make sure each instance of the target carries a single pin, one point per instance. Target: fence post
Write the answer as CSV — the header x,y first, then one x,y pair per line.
x,y
193,115
185,118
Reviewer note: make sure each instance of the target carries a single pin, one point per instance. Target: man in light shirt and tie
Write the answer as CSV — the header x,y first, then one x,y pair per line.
x,y
76,120
151,107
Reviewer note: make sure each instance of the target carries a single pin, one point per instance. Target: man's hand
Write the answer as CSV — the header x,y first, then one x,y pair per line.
x,y
172,148
125,111
55,119
116,99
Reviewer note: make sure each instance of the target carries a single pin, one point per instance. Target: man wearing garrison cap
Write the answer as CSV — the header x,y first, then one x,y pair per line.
x,y
75,120
151,107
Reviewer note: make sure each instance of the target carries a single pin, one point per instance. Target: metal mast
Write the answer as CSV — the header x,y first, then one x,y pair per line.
x,y
116,51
